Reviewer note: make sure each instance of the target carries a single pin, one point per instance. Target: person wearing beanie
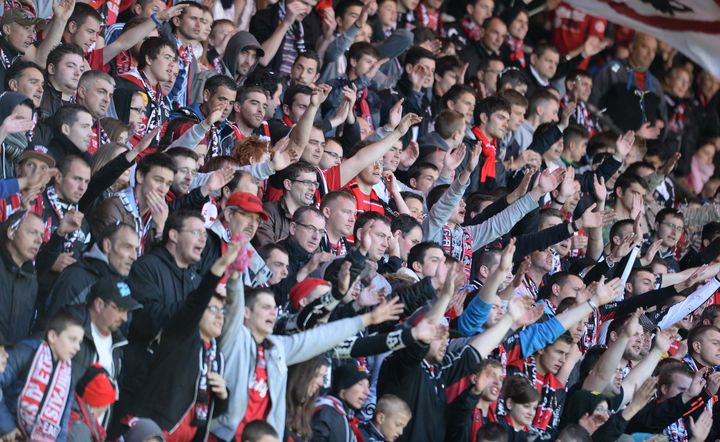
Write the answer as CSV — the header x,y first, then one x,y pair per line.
x,y
143,430
334,419
94,394
307,291
548,142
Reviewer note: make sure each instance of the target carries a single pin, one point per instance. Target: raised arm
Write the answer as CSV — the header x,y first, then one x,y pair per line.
x,y
351,167
133,36
62,10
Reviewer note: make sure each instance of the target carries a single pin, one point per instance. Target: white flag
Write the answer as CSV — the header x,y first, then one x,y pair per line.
x,y
690,26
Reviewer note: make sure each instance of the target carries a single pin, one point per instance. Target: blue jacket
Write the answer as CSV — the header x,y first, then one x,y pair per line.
x,y
12,381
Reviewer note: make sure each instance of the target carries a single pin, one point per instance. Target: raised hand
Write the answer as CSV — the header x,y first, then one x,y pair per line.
x,y
409,155
218,180
669,165
425,331
632,326
364,239
474,158
62,9
569,186
648,131
593,46
566,113
506,257
591,219
169,13
294,11
376,67
624,143
387,311
329,24
406,122
599,188
700,428
14,124
547,182
282,156
454,158
607,291
71,222
395,115
143,144
320,94
696,385
522,312
343,280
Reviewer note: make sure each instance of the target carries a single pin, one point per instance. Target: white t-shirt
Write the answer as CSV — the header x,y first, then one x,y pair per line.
x,y
103,345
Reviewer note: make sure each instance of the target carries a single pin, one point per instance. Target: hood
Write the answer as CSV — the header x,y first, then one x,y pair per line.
x,y
433,141
237,43
9,101
96,253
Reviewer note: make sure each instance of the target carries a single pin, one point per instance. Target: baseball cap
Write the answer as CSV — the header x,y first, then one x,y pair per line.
x,y
21,17
115,290
247,202
38,152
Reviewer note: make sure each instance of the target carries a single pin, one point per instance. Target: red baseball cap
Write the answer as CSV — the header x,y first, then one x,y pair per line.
x,y
247,202
303,288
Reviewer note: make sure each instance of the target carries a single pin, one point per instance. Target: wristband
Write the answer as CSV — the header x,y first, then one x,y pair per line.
x,y
154,18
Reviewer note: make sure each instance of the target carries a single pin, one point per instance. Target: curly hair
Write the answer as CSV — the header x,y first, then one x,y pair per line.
x,y
249,150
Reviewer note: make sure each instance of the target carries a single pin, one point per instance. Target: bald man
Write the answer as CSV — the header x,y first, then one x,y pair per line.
x,y
632,95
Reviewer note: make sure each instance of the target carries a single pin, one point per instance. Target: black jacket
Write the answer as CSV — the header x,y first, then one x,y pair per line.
x,y
172,383
17,298
61,146
264,23
161,287
88,354
405,374
330,425
460,416
73,285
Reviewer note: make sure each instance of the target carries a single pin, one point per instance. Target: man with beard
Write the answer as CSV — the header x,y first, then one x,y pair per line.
x,y
218,95
27,78
339,210
182,195
95,91
300,184
249,112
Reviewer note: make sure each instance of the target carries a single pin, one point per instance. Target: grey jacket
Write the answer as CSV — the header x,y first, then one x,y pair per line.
x,y
240,350
481,234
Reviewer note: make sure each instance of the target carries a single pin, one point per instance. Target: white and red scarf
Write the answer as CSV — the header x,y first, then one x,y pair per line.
x,y
458,248
43,399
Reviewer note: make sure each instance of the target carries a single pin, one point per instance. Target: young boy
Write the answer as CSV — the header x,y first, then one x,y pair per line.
x,y
259,431
37,371
392,415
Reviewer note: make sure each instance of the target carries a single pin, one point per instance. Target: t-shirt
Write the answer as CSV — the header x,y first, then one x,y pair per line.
x,y
103,345
258,398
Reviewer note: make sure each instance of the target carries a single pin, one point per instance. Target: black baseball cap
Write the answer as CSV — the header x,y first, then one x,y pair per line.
x,y
115,290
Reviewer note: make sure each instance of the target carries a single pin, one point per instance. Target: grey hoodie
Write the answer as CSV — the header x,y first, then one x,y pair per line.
x,y
240,350
239,42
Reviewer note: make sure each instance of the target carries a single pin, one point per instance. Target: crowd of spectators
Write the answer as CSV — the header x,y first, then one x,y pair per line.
x,y
354,221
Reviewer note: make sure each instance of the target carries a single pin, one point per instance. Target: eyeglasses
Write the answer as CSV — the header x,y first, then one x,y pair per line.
x,y
379,163
674,227
333,154
139,110
198,233
313,184
217,311
312,229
